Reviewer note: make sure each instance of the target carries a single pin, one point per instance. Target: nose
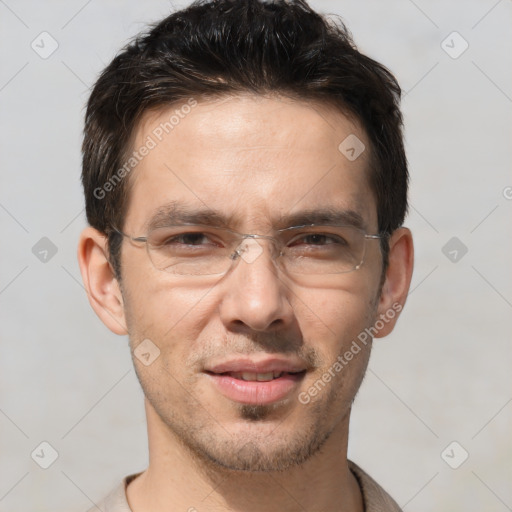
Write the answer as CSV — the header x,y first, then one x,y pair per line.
x,y
255,294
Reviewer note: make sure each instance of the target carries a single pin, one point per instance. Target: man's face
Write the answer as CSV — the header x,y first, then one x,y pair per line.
x,y
255,161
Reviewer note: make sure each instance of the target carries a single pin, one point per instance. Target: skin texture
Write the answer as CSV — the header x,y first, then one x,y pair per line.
x,y
252,159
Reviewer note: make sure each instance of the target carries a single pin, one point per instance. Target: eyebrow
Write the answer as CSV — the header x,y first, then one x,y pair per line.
x,y
175,213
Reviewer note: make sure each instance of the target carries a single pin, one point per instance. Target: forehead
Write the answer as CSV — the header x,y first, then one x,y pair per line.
x,y
251,159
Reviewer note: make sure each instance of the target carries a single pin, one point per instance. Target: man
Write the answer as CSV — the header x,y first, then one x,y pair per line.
x,y
246,184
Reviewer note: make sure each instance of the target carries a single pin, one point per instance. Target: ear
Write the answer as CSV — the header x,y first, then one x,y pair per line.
x,y
397,281
99,280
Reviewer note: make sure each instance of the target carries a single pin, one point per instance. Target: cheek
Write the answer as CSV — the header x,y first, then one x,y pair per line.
x,y
332,331
173,319
159,309
333,317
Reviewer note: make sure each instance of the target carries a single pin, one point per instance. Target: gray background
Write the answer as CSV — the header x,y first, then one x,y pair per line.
x,y
442,376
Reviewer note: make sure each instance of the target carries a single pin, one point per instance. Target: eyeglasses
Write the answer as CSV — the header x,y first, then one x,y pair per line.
x,y
196,250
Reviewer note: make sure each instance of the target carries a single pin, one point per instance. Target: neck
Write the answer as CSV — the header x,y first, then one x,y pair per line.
x,y
176,477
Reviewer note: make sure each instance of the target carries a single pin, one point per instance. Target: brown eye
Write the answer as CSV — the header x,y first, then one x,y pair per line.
x,y
187,239
318,239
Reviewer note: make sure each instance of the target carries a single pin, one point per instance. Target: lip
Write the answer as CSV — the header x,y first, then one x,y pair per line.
x,y
263,366
256,392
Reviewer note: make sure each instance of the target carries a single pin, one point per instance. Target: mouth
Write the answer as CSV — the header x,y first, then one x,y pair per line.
x,y
257,377
256,388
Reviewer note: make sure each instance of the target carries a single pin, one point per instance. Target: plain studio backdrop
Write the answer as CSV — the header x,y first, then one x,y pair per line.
x,y
432,421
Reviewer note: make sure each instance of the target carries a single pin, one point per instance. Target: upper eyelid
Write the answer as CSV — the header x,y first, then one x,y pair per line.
x,y
321,226
204,229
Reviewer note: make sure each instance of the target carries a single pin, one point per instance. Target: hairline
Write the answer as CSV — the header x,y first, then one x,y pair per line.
x,y
313,100
318,100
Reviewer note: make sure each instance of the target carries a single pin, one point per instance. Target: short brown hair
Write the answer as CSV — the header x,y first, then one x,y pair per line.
x,y
221,47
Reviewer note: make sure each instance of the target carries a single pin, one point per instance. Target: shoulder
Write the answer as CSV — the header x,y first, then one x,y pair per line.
x,y
116,500
375,498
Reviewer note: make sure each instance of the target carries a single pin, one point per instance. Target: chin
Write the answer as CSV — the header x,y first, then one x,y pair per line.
x,y
263,447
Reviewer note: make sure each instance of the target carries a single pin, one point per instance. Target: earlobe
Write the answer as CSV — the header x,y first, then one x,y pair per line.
x,y
102,287
397,281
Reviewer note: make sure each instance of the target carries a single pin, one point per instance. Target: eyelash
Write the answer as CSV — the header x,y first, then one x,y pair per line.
x,y
335,239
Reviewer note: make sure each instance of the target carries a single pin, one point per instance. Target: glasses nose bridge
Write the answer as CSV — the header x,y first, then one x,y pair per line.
x,y
254,236
275,246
